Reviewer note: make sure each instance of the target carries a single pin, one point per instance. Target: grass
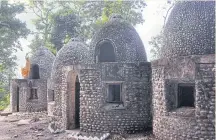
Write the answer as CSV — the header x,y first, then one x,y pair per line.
x,y
4,101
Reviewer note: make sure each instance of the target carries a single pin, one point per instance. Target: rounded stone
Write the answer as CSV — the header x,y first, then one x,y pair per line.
x,y
190,29
74,52
44,58
128,46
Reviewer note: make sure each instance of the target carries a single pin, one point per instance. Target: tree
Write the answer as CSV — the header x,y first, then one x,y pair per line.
x,y
43,10
85,17
11,29
156,42
93,14
36,42
65,27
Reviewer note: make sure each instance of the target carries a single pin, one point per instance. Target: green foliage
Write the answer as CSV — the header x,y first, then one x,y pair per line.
x,y
51,47
11,30
4,101
37,42
44,11
65,27
156,44
57,22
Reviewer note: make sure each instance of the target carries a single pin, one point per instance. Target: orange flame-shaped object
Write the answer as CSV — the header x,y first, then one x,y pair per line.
x,y
25,71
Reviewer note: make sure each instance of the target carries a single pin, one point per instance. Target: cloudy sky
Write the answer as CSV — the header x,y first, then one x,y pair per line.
x,y
153,15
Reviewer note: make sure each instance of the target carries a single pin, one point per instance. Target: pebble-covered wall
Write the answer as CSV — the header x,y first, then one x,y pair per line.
x,y
21,90
171,122
190,29
126,41
130,70
44,58
73,53
189,59
96,115
15,87
128,117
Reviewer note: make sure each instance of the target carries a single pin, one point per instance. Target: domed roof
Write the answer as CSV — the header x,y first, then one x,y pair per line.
x,y
73,53
128,46
44,58
190,29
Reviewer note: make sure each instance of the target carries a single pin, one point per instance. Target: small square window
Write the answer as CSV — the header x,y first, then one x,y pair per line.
x,y
186,95
114,93
33,94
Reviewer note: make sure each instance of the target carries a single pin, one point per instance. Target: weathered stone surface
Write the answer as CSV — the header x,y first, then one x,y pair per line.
x,y
190,29
127,44
75,63
5,113
44,58
21,88
23,122
188,58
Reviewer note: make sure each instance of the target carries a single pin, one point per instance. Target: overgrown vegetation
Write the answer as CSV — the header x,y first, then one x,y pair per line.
x,y
156,42
11,30
4,101
57,22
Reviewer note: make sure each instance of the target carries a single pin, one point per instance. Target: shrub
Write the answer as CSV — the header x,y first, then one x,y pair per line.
x,y
4,101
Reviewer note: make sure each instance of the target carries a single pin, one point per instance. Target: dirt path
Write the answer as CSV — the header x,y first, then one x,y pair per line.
x,y
12,128
34,126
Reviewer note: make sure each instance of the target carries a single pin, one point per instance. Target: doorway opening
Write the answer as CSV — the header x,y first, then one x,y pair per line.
x,y
17,99
73,101
77,103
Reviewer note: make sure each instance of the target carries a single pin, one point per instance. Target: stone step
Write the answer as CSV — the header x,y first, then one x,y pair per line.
x,y
5,113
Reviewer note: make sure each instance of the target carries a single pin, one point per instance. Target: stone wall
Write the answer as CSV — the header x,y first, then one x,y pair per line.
x,y
128,46
98,115
134,114
25,103
170,122
44,58
190,29
15,88
205,100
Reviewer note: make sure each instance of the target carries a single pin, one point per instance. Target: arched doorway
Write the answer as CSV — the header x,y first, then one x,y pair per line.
x,y
73,101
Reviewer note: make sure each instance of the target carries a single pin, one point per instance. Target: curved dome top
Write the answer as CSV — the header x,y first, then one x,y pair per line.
x,y
123,39
44,58
73,53
190,29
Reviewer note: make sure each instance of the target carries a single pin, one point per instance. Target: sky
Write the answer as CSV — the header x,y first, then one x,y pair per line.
x,y
152,13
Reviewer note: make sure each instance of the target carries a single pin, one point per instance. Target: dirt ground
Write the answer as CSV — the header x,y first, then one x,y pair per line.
x,y
13,127
34,126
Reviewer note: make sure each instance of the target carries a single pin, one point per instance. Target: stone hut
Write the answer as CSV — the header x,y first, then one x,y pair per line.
x,y
30,94
73,54
106,88
183,81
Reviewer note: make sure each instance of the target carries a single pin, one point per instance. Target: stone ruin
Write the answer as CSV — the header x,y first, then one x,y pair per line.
x,y
110,87
30,94
105,88
183,81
